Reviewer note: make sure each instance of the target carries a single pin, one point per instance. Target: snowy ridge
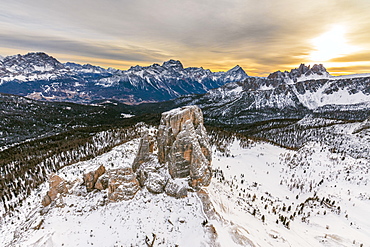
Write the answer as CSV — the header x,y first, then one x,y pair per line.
x,y
259,99
35,73
313,93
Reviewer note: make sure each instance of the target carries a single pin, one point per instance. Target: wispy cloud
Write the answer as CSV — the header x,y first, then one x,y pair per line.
x,y
262,35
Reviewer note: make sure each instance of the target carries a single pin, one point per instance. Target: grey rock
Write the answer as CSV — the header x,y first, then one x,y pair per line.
x,y
175,190
144,154
183,144
122,184
156,182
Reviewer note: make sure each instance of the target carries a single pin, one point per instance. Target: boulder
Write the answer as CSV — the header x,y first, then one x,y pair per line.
x,y
183,144
102,182
175,190
57,185
122,184
155,182
91,177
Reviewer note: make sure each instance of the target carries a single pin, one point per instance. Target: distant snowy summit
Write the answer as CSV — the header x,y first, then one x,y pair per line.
x,y
40,76
30,63
286,95
303,72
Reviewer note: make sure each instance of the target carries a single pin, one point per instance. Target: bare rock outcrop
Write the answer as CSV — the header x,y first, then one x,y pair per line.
x,y
155,182
175,190
149,172
57,185
102,182
122,184
183,144
144,155
91,177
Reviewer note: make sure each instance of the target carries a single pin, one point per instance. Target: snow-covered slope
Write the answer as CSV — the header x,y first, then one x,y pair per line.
x,y
40,76
84,219
260,195
309,197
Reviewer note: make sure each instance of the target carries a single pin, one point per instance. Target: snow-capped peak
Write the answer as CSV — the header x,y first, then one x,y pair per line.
x,y
87,68
237,70
31,62
303,72
172,64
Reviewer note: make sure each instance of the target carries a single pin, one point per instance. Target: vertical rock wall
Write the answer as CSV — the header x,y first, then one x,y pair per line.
x,y
183,144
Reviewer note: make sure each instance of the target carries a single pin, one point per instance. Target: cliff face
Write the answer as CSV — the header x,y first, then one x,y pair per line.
x,y
183,145
179,152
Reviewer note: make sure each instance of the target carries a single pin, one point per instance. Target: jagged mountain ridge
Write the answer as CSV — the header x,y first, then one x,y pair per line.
x,y
40,76
302,72
259,99
281,95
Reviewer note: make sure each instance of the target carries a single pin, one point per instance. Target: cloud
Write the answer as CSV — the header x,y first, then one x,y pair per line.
x,y
349,69
87,49
260,34
358,57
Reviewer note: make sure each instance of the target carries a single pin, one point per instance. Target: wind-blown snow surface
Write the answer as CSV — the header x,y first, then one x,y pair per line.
x,y
83,219
323,195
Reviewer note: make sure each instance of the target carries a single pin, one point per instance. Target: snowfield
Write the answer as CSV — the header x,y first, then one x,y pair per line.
x,y
259,188
261,195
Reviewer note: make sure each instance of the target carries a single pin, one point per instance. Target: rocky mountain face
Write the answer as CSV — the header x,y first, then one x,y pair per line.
x,y
183,144
26,65
259,99
301,73
40,76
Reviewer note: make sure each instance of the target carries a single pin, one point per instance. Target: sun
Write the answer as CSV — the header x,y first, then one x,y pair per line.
x,y
331,44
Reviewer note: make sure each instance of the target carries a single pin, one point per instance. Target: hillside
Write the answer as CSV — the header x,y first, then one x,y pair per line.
x,y
260,194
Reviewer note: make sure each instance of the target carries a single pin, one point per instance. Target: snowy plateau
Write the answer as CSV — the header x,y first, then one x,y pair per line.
x,y
260,195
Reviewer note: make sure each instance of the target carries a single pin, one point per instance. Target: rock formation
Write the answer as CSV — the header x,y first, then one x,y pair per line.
x,y
183,145
182,163
175,190
145,153
150,173
90,178
102,182
56,186
122,184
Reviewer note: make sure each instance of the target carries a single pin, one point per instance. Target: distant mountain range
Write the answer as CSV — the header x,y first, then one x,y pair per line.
x,y
280,96
40,76
228,99
262,99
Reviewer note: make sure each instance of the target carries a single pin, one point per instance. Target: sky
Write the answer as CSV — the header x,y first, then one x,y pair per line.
x,y
261,36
